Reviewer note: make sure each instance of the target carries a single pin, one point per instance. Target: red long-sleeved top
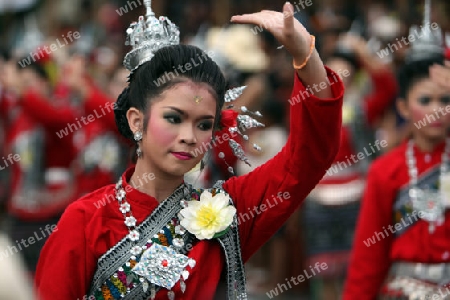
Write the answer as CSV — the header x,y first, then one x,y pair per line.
x,y
85,232
369,264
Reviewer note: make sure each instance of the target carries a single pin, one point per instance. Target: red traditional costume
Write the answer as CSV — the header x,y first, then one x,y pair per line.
x,y
53,170
388,231
72,133
56,156
89,229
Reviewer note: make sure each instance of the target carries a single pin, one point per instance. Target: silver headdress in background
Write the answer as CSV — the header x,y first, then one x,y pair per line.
x,y
150,34
430,43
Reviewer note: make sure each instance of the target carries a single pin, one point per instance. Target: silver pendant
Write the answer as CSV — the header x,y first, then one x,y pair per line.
x,y
429,203
162,266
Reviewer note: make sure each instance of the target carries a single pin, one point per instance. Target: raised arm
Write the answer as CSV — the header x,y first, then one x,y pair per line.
x,y
266,197
42,110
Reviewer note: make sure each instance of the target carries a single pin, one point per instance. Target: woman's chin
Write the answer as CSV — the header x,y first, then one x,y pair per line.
x,y
435,133
177,171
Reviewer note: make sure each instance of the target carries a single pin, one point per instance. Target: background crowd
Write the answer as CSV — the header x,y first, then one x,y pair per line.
x,y
56,116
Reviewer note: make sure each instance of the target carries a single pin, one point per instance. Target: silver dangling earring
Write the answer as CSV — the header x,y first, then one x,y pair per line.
x,y
138,138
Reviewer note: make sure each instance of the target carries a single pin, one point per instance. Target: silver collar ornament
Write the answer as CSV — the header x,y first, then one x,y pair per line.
x,y
159,266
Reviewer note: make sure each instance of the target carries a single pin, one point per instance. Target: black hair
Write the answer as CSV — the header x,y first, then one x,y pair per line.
x,y
5,54
36,67
162,72
411,72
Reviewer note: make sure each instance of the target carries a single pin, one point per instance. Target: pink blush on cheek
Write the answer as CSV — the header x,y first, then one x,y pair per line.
x,y
417,114
159,132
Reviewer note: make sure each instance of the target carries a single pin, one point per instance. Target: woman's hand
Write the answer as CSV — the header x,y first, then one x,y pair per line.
x,y
441,74
295,38
287,30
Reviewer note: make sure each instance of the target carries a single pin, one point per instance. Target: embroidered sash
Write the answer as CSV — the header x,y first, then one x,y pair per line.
x,y
230,243
113,278
403,211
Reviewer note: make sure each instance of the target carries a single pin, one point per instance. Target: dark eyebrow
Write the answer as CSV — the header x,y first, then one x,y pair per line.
x,y
184,113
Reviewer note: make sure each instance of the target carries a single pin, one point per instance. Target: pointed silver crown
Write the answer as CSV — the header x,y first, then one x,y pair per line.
x,y
148,36
429,42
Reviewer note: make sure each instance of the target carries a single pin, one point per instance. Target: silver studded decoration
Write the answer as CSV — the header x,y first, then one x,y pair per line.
x,y
222,156
233,94
159,265
426,200
147,36
130,220
245,122
162,266
138,137
238,152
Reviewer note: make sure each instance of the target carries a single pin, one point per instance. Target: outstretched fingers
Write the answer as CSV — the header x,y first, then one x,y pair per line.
x,y
264,18
288,13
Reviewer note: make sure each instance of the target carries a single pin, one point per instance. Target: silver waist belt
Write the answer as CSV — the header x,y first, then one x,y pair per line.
x,y
435,273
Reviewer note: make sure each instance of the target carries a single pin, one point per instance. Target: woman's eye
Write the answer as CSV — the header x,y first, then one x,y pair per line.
x,y
445,99
173,119
424,100
205,126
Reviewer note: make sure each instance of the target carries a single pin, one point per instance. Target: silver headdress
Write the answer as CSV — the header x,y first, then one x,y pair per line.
x,y
151,34
244,122
430,43
148,36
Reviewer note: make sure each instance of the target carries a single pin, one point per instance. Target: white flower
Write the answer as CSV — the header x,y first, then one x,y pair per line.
x,y
130,221
124,207
133,235
209,216
121,194
136,250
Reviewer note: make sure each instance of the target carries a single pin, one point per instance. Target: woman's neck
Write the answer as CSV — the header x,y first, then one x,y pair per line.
x,y
160,186
427,145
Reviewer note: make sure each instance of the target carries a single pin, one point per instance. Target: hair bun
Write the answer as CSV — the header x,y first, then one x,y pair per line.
x,y
120,113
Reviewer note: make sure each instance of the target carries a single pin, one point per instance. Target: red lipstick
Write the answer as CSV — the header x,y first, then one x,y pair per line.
x,y
182,155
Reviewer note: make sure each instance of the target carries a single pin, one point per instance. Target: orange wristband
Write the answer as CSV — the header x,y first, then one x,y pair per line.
x,y
313,44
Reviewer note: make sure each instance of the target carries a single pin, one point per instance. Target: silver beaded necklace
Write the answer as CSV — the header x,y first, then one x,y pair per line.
x,y
158,263
130,221
427,201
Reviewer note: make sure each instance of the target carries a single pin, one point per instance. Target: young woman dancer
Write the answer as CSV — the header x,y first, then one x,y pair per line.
x,y
401,248
152,235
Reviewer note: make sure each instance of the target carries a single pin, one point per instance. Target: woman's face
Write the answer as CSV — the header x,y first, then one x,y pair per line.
x,y
179,122
428,108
